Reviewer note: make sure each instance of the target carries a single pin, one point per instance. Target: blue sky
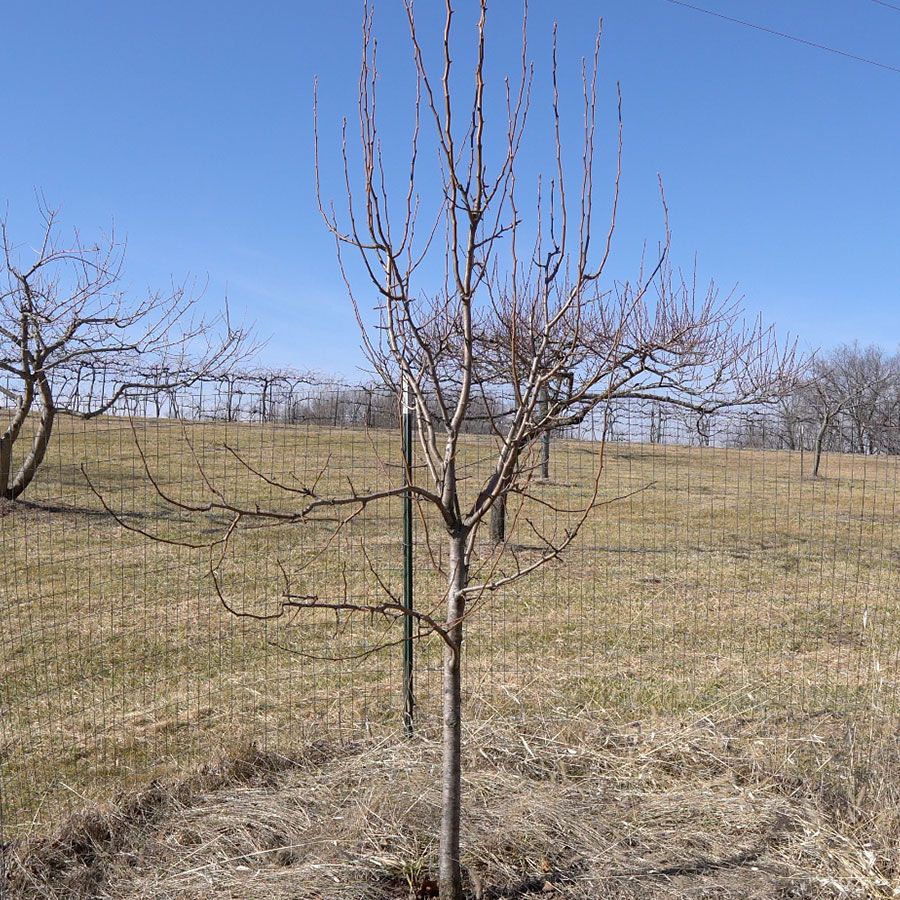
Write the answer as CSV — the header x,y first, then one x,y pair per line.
x,y
188,125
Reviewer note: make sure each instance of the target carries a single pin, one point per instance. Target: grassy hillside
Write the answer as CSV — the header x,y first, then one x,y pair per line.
x,y
723,583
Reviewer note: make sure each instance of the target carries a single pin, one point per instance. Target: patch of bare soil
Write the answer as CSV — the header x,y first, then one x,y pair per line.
x,y
572,810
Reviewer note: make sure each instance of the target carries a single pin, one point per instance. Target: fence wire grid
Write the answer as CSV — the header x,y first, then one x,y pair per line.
x,y
721,578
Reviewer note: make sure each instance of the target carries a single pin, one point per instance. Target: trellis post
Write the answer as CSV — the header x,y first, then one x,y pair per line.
x,y
407,428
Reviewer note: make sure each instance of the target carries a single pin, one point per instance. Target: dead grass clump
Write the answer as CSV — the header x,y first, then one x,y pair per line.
x,y
75,861
568,809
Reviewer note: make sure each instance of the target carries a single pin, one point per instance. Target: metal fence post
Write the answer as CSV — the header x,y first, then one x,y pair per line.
x,y
407,427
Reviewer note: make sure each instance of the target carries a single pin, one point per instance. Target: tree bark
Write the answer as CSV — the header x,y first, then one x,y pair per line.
x,y
263,413
545,439
5,464
449,870
9,438
35,456
498,520
820,438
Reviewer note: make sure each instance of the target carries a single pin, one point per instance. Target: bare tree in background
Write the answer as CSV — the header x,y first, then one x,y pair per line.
x,y
870,379
664,340
848,402
64,319
827,398
471,299
852,396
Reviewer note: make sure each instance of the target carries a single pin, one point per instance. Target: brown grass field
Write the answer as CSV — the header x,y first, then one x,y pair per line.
x,y
725,591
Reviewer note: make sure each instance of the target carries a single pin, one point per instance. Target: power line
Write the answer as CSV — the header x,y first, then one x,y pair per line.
x,y
888,5
790,37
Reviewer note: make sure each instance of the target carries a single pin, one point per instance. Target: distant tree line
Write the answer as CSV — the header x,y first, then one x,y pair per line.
x,y
273,395
848,403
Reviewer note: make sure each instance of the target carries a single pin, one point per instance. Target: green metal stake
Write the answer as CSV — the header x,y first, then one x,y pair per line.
x,y
407,426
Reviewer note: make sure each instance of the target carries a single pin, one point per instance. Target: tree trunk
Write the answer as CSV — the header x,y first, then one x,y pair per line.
x,y
545,456
5,464
820,438
8,439
545,439
655,426
498,520
263,412
450,872
35,456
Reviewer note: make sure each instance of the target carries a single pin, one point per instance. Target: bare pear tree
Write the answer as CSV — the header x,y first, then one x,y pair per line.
x,y
527,299
490,308
72,342
852,391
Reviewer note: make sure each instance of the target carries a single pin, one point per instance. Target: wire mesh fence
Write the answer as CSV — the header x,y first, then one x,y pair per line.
x,y
718,577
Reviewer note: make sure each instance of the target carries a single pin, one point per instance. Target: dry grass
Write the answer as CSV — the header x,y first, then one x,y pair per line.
x,y
724,581
574,807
